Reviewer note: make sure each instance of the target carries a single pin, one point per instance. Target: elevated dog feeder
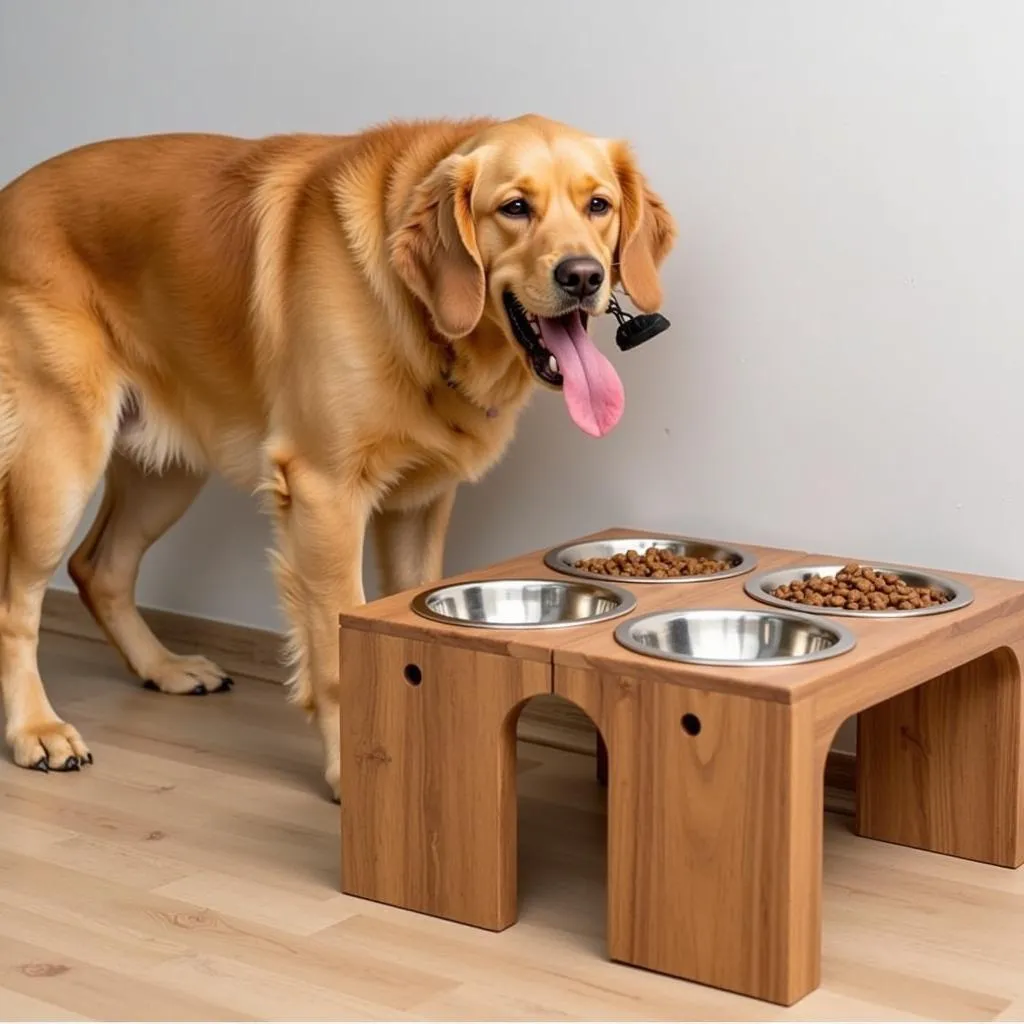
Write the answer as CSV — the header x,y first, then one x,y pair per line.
x,y
717,709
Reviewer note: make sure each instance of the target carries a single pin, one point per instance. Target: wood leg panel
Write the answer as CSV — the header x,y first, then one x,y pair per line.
x,y
715,809
939,767
428,769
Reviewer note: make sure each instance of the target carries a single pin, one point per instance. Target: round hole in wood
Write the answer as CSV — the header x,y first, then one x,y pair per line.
x,y
691,724
413,675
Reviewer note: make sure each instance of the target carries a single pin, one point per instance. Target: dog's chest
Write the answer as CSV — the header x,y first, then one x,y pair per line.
x,y
452,444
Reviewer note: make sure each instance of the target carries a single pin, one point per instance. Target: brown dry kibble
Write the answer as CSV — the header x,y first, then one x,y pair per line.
x,y
861,588
654,563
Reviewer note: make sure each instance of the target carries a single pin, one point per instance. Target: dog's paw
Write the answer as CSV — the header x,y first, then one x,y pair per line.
x,y
191,675
49,746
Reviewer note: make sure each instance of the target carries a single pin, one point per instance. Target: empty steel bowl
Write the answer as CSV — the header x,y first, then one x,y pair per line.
x,y
760,589
734,637
564,559
523,603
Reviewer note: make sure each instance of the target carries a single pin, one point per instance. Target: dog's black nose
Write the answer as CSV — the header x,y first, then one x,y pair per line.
x,y
579,276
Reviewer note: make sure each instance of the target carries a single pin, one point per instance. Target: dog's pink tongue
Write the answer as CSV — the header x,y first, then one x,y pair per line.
x,y
592,389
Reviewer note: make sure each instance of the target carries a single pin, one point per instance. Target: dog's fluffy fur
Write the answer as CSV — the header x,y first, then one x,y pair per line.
x,y
319,319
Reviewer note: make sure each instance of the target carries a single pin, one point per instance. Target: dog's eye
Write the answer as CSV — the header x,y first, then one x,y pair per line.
x,y
516,208
599,205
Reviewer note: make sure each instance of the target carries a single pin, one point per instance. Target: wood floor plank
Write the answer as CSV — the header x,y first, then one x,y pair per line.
x,y
1015,1011
266,994
930,998
97,992
260,903
18,1006
200,930
576,979
19,835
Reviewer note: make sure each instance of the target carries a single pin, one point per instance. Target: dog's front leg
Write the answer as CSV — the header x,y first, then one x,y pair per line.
x,y
320,520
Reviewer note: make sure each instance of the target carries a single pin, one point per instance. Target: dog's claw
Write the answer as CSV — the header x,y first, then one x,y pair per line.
x,y
42,765
150,685
225,684
199,690
88,758
71,765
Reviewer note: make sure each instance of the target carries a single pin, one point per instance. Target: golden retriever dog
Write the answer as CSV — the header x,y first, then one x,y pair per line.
x,y
348,325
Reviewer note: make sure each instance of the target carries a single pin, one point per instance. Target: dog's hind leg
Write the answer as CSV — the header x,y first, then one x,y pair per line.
x,y
138,508
55,444
410,543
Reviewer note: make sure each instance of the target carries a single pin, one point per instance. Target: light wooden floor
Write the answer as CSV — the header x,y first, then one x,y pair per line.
x,y
192,872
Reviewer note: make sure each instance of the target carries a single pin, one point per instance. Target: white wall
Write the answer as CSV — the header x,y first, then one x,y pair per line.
x,y
843,373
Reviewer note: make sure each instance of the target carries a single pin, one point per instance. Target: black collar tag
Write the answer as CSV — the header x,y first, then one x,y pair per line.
x,y
635,330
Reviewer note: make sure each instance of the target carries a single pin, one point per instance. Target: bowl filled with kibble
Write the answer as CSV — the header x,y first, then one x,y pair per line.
x,y
650,560
855,589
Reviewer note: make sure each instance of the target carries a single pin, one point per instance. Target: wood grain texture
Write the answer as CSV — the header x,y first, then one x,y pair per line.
x,y
714,836
940,767
428,765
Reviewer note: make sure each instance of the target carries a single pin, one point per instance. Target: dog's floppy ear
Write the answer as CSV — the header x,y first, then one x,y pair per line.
x,y
647,232
435,250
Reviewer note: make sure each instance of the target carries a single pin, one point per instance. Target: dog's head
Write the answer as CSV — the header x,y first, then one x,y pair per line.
x,y
531,225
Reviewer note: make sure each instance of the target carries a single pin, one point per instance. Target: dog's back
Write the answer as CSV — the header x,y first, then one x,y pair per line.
x,y
142,220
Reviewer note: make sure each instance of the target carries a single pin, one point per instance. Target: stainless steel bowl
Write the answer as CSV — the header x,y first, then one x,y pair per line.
x,y
523,603
564,559
734,637
760,589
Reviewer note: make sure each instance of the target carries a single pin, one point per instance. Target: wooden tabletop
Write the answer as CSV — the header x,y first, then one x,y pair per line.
x,y
889,656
